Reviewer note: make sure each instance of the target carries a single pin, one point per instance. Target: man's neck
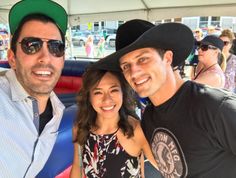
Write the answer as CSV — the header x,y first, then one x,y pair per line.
x,y
171,86
42,103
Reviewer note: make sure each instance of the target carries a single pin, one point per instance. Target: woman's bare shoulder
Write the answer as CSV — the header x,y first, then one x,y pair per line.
x,y
133,121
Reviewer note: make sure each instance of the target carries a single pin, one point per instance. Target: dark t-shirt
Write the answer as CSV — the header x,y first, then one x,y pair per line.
x,y
45,117
193,134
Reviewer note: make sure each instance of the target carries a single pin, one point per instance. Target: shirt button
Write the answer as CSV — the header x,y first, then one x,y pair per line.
x,y
36,115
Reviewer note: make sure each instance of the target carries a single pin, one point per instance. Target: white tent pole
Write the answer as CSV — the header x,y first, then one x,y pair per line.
x,y
69,36
69,41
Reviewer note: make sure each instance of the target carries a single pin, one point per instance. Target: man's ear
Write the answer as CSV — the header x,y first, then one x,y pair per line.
x,y
11,58
168,56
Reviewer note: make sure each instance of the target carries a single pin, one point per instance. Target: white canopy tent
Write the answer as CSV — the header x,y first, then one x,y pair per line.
x,y
83,11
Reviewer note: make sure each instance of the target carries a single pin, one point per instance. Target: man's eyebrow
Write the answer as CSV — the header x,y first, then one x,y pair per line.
x,y
138,55
142,53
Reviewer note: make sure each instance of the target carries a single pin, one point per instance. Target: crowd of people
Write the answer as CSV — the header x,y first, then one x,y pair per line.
x,y
187,128
213,59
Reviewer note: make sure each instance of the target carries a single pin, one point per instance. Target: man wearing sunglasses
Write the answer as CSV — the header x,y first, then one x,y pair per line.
x,y
30,112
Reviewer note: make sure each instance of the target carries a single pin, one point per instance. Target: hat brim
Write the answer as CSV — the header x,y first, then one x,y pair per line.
x,y
169,36
45,7
206,42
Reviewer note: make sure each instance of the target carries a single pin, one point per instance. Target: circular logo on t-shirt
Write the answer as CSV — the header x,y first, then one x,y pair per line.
x,y
168,154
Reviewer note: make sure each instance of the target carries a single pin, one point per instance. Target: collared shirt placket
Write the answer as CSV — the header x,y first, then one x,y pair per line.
x,y
36,124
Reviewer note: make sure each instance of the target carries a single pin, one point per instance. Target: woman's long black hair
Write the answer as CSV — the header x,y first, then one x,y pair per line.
x,y
86,117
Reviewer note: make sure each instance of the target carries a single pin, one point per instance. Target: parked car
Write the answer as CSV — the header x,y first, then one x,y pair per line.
x,y
111,41
79,38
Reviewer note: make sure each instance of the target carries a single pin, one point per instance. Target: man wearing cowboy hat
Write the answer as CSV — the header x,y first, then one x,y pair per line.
x,y
187,141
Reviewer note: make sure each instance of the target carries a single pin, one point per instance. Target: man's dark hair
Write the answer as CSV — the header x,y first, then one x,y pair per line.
x,y
39,17
161,52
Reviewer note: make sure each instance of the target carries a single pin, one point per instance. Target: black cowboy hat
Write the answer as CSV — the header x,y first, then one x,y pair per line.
x,y
130,31
168,36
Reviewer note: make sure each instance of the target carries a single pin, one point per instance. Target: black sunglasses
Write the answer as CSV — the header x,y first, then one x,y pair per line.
x,y
206,47
32,45
226,43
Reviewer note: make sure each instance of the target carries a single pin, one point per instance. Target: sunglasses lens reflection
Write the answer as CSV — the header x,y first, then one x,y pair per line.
x,y
32,45
226,43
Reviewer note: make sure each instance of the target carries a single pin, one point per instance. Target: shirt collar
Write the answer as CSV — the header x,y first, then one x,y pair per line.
x,y
17,91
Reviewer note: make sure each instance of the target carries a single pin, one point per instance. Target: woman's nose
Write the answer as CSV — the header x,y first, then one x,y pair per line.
x,y
107,97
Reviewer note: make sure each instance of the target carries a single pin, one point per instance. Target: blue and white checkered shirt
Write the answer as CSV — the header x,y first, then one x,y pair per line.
x,y
23,152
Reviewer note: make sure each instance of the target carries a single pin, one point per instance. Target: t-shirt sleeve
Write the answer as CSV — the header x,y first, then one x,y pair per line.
x,y
226,124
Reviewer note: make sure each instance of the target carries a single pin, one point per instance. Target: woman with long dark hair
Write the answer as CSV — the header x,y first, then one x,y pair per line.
x,y
107,132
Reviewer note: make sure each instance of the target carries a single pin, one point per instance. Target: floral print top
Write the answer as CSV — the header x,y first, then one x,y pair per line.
x,y
104,157
230,74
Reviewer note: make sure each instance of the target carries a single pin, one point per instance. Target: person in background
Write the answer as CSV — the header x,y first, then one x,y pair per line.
x,y
2,48
89,47
101,47
198,34
193,59
230,72
30,111
233,49
211,30
190,126
107,133
208,70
